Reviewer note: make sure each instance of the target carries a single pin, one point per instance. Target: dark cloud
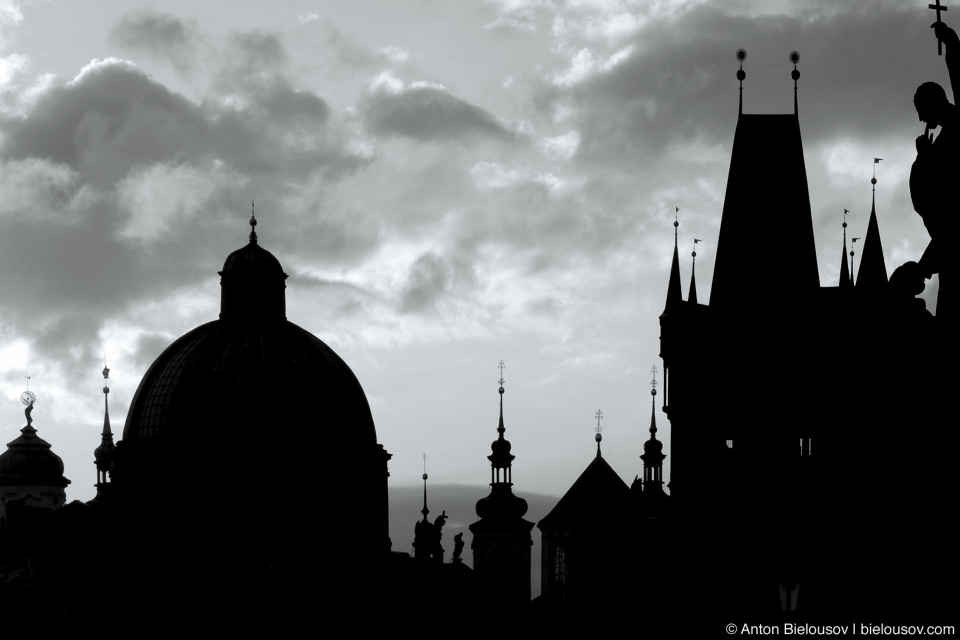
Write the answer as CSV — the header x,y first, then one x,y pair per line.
x,y
432,278
427,113
159,34
859,69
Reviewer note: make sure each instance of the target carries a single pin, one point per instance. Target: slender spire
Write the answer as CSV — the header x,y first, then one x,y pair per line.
x,y
692,298
653,449
674,294
103,455
599,416
425,511
873,270
795,58
741,74
501,429
845,281
107,433
253,223
852,254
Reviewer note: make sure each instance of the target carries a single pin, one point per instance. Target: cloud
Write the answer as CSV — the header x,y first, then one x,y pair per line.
x,y
519,16
424,112
159,34
431,278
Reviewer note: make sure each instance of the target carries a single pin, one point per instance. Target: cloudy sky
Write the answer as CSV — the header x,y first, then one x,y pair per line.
x,y
448,184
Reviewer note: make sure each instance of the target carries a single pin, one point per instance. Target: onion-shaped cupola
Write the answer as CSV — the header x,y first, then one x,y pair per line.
x,y
29,461
252,284
501,503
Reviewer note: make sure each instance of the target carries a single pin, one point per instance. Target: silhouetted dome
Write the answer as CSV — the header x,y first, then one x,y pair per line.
x,y
652,446
250,400
253,259
501,450
240,381
29,460
501,504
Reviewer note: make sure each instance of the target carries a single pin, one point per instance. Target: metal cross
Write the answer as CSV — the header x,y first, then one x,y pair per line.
x,y
938,8
599,416
28,382
653,370
501,366
424,462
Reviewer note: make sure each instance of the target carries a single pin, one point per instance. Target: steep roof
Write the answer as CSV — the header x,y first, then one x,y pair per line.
x,y
766,212
598,495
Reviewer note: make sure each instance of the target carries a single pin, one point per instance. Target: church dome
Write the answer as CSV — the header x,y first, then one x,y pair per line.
x,y
247,407
29,460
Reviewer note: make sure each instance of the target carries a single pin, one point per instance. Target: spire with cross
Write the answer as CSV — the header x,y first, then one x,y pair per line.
x,y
598,429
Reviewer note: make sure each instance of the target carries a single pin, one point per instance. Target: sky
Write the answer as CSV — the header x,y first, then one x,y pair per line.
x,y
447,184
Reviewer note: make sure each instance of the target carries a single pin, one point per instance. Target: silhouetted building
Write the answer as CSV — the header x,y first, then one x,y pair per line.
x,y
776,490
501,538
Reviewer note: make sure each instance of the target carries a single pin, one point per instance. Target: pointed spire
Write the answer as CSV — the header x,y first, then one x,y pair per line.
x,y
674,294
599,416
873,270
795,58
425,511
852,254
692,298
103,455
653,449
253,223
107,433
741,75
845,281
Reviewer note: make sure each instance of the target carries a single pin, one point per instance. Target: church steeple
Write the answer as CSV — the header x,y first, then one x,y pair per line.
x,y
692,298
845,281
653,449
674,294
501,537
103,455
873,272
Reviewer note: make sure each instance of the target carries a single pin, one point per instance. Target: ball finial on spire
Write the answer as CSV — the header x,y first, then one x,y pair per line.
x,y
653,382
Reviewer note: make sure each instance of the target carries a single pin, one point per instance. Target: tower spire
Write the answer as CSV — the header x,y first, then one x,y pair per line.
x,y
253,223
653,449
873,270
795,74
845,281
425,511
103,455
674,295
599,416
692,298
741,75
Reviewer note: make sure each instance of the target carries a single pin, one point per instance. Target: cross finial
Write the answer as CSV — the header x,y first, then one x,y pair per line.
x,y
501,366
653,382
28,382
253,222
599,416
938,8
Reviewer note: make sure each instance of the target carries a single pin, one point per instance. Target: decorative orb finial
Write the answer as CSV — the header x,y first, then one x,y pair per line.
x,y
28,398
741,55
794,57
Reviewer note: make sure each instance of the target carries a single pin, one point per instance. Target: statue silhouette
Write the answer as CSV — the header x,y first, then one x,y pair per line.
x,y
936,168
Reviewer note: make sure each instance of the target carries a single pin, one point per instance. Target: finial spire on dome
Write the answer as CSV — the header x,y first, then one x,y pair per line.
x,y
795,58
253,223
103,455
599,416
501,429
653,402
106,408
741,74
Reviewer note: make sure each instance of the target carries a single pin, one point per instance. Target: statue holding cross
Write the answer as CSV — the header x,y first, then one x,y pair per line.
x,y
938,8
937,168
